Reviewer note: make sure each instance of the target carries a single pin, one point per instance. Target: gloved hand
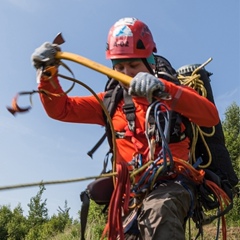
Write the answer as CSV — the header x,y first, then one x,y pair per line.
x,y
45,55
144,84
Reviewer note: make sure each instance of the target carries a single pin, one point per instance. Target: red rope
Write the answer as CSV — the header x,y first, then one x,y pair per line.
x,y
222,198
119,201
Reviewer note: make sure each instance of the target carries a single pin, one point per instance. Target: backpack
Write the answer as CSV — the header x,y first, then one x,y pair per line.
x,y
211,144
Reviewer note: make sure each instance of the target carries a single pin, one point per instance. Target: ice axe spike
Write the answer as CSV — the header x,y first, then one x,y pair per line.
x,y
59,39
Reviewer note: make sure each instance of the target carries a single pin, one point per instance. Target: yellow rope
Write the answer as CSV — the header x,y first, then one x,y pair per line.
x,y
56,182
109,119
114,174
196,83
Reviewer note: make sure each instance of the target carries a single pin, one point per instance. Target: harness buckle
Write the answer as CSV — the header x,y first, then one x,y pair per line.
x,y
120,135
131,125
128,108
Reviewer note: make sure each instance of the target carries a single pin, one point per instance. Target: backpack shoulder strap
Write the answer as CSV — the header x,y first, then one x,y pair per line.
x,y
114,93
129,110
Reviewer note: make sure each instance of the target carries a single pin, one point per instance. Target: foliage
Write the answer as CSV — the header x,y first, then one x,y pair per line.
x,y
231,128
38,212
59,222
97,219
5,217
37,225
17,226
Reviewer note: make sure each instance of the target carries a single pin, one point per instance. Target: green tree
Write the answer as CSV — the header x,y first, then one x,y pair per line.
x,y
37,226
17,225
5,217
38,212
231,128
57,223
37,215
64,217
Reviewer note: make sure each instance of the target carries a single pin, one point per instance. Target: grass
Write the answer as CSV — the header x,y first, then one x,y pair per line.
x,y
209,233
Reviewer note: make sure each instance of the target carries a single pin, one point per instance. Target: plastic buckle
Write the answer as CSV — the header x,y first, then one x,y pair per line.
x,y
129,108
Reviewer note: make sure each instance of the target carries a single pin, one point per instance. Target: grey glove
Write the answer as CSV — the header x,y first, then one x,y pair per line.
x,y
45,55
144,84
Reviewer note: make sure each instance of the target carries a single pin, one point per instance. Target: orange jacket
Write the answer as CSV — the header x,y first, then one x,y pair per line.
x,y
86,109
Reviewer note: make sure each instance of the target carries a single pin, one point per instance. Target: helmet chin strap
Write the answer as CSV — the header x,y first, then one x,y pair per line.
x,y
146,63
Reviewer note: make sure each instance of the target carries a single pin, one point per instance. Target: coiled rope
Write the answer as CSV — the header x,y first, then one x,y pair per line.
x,y
197,84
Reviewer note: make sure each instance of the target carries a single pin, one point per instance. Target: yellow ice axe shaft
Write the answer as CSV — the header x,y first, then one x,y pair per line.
x,y
95,66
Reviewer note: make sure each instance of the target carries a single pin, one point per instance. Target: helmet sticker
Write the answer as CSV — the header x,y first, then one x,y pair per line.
x,y
123,40
126,21
122,31
122,45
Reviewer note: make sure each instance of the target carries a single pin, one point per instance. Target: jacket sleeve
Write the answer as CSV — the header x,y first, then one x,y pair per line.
x,y
189,103
61,107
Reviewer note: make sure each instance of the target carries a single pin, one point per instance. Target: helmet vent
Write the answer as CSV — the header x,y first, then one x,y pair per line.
x,y
140,44
107,46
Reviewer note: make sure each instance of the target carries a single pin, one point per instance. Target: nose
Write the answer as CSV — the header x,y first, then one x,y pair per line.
x,y
128,71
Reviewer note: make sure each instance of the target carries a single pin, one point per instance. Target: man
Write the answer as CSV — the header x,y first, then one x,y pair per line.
x,y
130,47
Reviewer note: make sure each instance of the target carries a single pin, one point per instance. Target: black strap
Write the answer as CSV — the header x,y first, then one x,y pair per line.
x,y
100,191
129,110
84,212
110,101
148,66
97,145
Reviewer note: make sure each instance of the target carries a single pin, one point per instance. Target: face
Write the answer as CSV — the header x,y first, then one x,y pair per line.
x,y
131,68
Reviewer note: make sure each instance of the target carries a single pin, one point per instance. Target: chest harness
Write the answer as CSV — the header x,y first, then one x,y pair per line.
x,y
113,96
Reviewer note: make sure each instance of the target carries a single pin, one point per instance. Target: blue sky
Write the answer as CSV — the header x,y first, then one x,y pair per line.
x,y
36,148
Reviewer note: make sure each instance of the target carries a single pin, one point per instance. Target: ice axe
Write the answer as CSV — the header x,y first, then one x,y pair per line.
x,y
124,79
90,64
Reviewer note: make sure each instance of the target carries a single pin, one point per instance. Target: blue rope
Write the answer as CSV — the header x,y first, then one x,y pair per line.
x,y
164,153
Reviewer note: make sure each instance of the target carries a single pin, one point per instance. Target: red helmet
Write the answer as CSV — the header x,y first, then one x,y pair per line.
x,y
130,38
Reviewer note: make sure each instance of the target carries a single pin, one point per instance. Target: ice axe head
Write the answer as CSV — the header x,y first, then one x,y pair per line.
x,y
59,39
